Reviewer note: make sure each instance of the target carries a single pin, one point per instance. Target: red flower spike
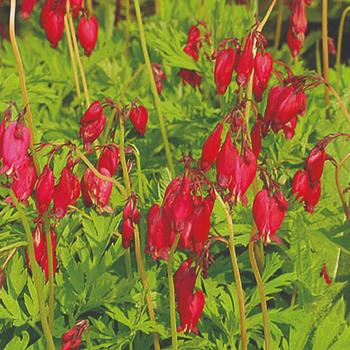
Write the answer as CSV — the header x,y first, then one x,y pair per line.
x,y
92,123
211,148
224,66
109,159
158,245
27,8
269,211
54,27
314,163
40,250
96,191
66,193
193,41
76,6
71,340
245,62
244,172
44,190
87,33
308,192
190,77
263,65
15,146
256,138
225,162
324,273
139,118
24,180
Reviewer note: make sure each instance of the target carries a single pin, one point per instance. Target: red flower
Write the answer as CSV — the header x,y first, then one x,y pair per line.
x,y
40,249
295,42
306,190
67,191
92,123
225,162
298,19
44,191
263,65
24,180
71,340
314,163
245,62
96,191
331,47
269,211
324,273
224,66
211,148
109,159
255,136
54,26
131,216
27,7
159,76
15,145
87,33
190,77
76,6
139,118
193,41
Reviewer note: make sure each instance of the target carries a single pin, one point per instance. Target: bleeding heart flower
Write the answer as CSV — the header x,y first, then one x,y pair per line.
x,y
71,340
109,159
263,65
224,66
27,7
211,148
131,216
54,26
314,163
159,76
190,77
298,19
245,62
76,6
269,211
193,41
15,146
225,162
295,42
44,191
87,33
289,128
306,190
139,118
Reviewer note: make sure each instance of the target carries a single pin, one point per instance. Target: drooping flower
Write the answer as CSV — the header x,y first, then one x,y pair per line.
x,y
71,340
139,118
263,65
27,7
159,76
245,61
268,212
314,163
211,148
193,42
54,26
87,33
76,6
307,191
131,216
109,159
224,67
190,77
44,190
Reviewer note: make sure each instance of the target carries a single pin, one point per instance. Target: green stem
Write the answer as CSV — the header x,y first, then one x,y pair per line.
x,y
139,172
127,29
325,49
236,274
51,273
340,42
154,89
109,125
318,58
36,274
172,294
279,24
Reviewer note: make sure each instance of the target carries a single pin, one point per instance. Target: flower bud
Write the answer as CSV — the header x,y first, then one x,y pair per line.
x,y
54,26
193,41
190,77
71,340
263,65
314,163
224,66
139,117
27,7
245,62
211,148
109,159
87,33
76,6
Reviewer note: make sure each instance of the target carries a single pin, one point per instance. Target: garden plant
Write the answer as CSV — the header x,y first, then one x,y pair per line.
x,y
174,174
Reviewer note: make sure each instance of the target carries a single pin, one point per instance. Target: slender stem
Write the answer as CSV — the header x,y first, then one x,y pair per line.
x,y
72,59
172,294
263,303
325,47
154,89
157,5
139,172
8,258
90,8
339,187
101,176
127,29
340,42
88,339
36,274
236,273
144,280
76,50
109,125
279,24
318,58
22,79
51,273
